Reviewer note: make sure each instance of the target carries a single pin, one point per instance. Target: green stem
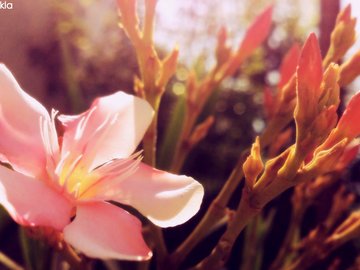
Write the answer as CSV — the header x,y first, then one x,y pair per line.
x,y
149,146
26,249
290,237
180,159
217,208
150,138
216,212
254,241
9,263
221,252
72,87
160,246
72,258
250,244
251,203
181,147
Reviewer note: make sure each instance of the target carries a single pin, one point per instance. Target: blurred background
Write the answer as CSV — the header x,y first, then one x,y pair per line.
x,y
66,53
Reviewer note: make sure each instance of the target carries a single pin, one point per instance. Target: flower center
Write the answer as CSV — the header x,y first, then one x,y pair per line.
x,y
80,183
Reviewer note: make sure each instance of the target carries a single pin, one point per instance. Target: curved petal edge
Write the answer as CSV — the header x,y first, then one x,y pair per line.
x,y
104,231
31,202
164,198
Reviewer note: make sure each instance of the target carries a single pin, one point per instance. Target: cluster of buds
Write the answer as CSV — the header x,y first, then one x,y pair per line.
x,y
322,240
280,106
155,73
308,93
324,146
199,90
310,96
320,142
342,37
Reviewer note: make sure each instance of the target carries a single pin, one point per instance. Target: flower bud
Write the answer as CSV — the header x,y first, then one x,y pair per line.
x,y
342,37
289,64
129,20
309,77
168,67
254,36
201,130
350,69
223,51
329,88
253,165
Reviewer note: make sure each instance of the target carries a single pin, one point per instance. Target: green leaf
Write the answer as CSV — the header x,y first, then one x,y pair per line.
x,y
36,253
172,133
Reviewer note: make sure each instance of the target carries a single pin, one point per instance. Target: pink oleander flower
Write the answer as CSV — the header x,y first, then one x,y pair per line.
x,y
66,184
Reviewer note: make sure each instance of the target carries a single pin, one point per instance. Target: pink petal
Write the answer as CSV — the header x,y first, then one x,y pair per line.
x,y
256,33
164,198
31,202
309,76
112,128
348,156
344,15
289,64
348,122
22,143
105,231
310,72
